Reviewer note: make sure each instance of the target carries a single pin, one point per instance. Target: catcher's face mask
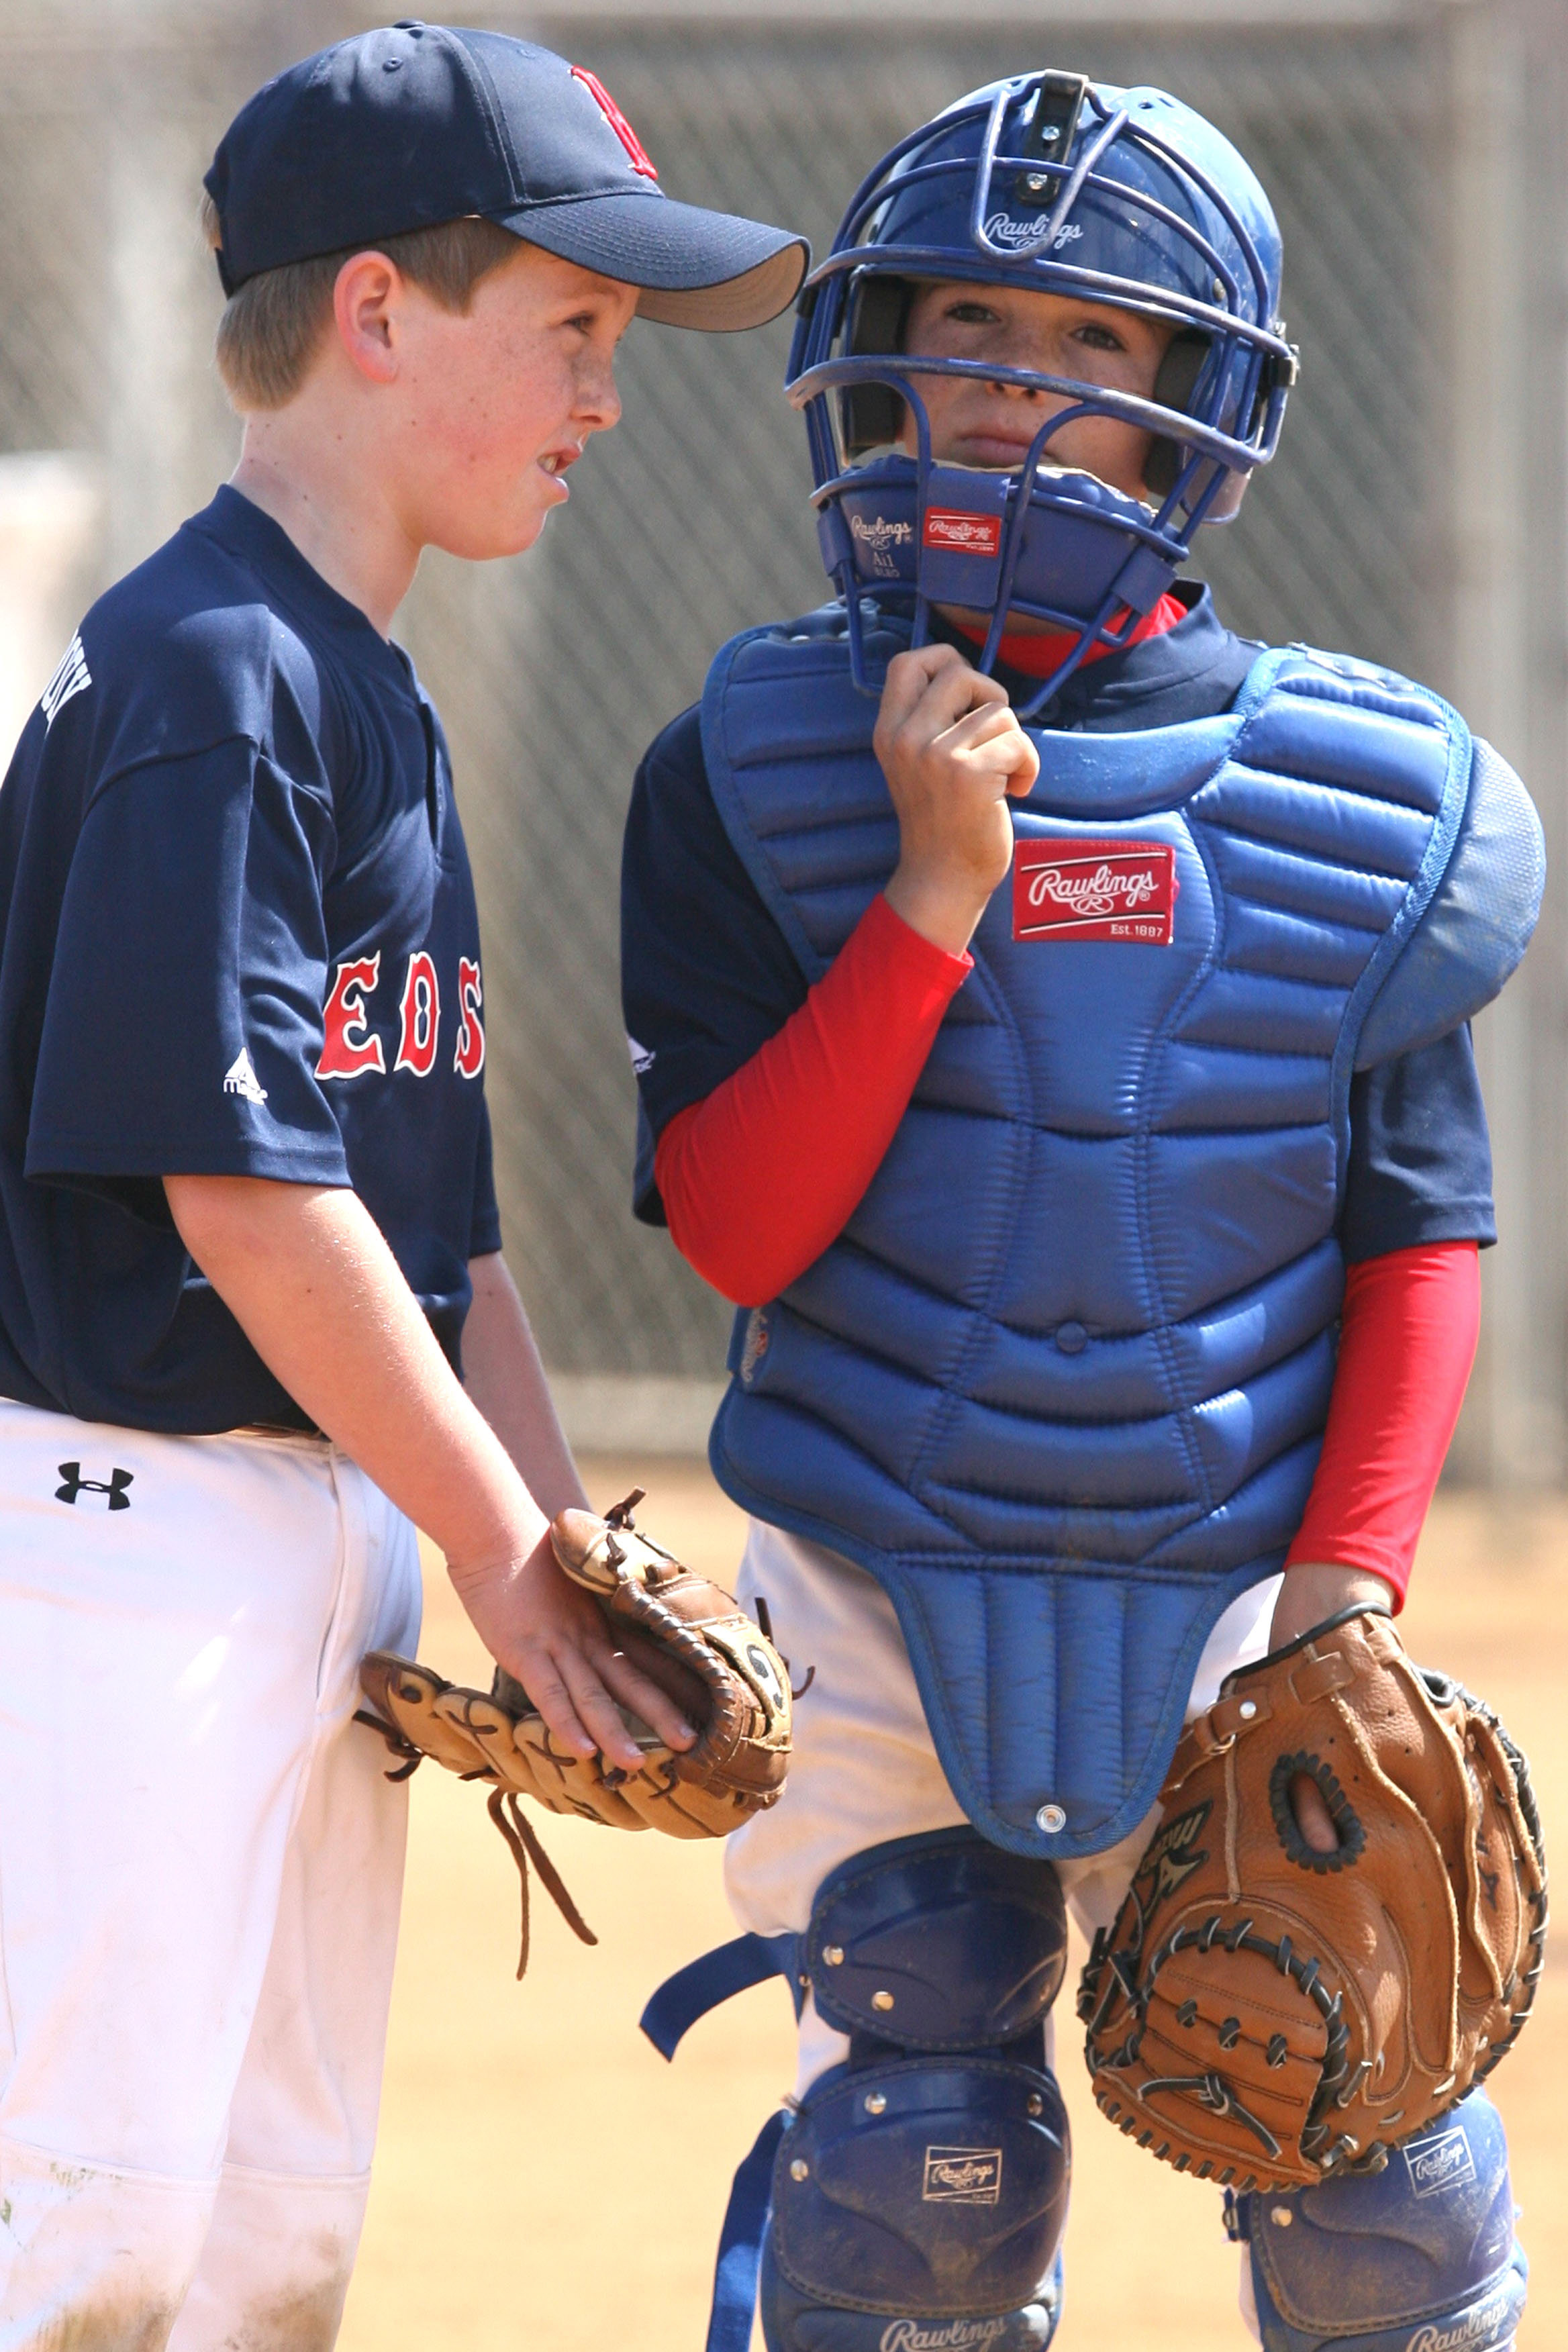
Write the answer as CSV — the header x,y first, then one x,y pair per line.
x,y
1118,198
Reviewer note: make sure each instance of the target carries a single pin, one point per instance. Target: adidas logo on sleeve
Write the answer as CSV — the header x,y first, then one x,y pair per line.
x,y
239,1078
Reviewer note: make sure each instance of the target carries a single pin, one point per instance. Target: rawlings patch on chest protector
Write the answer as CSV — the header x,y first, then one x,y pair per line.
x,y
1123,890
965,534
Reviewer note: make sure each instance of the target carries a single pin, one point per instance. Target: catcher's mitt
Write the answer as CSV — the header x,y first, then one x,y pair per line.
x,y
697,1644
1264,2015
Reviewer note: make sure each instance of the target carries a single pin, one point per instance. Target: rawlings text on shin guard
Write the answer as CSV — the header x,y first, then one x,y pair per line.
x,y
1266,2013
1420,2257
915,2199
793,2322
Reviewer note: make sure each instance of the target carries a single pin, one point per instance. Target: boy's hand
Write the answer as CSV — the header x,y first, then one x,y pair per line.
x,y
952,750
1314,1591
552,1637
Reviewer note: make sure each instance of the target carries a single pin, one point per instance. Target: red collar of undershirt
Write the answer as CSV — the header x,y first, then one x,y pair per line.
x,y
1037,657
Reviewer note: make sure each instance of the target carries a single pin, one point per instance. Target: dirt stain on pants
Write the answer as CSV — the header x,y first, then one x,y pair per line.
x,y
307,2321
111,2323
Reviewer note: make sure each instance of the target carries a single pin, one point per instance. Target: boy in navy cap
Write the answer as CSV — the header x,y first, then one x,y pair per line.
x,y
254,1320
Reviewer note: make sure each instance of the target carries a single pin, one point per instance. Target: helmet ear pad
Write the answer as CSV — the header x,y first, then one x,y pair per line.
x,y
1174,385
873,414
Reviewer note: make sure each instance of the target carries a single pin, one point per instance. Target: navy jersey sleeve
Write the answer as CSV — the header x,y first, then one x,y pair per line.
x,y
183,1019
707,976
484,1229
1420,1162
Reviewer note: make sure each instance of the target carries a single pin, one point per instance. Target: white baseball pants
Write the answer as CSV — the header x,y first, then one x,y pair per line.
x,y
201,1863
864,1766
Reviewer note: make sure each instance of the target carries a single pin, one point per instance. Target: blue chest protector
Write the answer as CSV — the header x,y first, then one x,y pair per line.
x,y
1062,1382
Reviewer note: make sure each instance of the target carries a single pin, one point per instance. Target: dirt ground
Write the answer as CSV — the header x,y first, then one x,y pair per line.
x,y
545,2182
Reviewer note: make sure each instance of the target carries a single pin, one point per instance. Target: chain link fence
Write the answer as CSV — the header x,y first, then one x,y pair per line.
x,y
692,520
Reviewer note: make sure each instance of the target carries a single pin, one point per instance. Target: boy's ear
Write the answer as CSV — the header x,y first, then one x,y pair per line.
x,y
366,302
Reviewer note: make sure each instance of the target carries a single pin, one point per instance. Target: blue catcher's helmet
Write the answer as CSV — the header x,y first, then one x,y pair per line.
x,y
1045,181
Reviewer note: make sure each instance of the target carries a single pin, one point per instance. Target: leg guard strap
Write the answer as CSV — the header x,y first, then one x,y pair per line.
x,y
716,1978
740,2243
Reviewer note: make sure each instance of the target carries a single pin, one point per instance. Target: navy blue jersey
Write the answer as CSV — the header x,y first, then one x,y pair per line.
x,y
708,977
237,936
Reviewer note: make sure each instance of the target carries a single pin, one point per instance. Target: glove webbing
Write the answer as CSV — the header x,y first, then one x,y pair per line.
x,y
655,1617
1212,2090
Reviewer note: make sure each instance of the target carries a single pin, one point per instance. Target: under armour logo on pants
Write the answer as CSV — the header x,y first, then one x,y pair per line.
x,y
75,1485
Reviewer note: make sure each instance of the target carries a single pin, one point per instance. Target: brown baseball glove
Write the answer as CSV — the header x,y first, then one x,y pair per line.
x,y
690,1636
1265,2014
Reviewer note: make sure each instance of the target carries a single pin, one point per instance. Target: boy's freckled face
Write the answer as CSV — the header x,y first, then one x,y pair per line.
x,y
975,423
500,401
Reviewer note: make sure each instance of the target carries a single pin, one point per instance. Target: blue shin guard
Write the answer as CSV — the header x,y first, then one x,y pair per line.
x,y
1420,2257
916,2198
796,2322
929,2193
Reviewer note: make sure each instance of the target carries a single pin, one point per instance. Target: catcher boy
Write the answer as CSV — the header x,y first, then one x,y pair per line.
x,y
1050,1012
246,1213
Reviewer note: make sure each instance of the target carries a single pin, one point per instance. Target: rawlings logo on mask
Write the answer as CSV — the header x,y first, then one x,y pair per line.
x,y
1003,229
963,534
875,533
876,537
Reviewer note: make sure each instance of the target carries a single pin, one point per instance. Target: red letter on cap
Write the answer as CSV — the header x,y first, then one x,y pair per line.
x,y
640,159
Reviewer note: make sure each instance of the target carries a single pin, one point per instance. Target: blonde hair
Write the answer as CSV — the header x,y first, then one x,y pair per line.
x,y
270,329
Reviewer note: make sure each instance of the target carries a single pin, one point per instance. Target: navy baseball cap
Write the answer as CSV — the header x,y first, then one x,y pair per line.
x,y
415,124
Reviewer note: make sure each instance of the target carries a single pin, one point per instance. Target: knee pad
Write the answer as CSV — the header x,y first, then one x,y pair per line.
x,y
916,2198
920,2192
1420,2257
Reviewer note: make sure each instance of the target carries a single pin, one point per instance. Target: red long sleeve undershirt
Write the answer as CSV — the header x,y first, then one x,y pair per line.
x,y
1038,656
1407,1339
762,1175
759,1178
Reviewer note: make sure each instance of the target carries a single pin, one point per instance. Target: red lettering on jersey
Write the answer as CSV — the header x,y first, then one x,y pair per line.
x,y
350,1048
470,1057
421,1016
637,153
